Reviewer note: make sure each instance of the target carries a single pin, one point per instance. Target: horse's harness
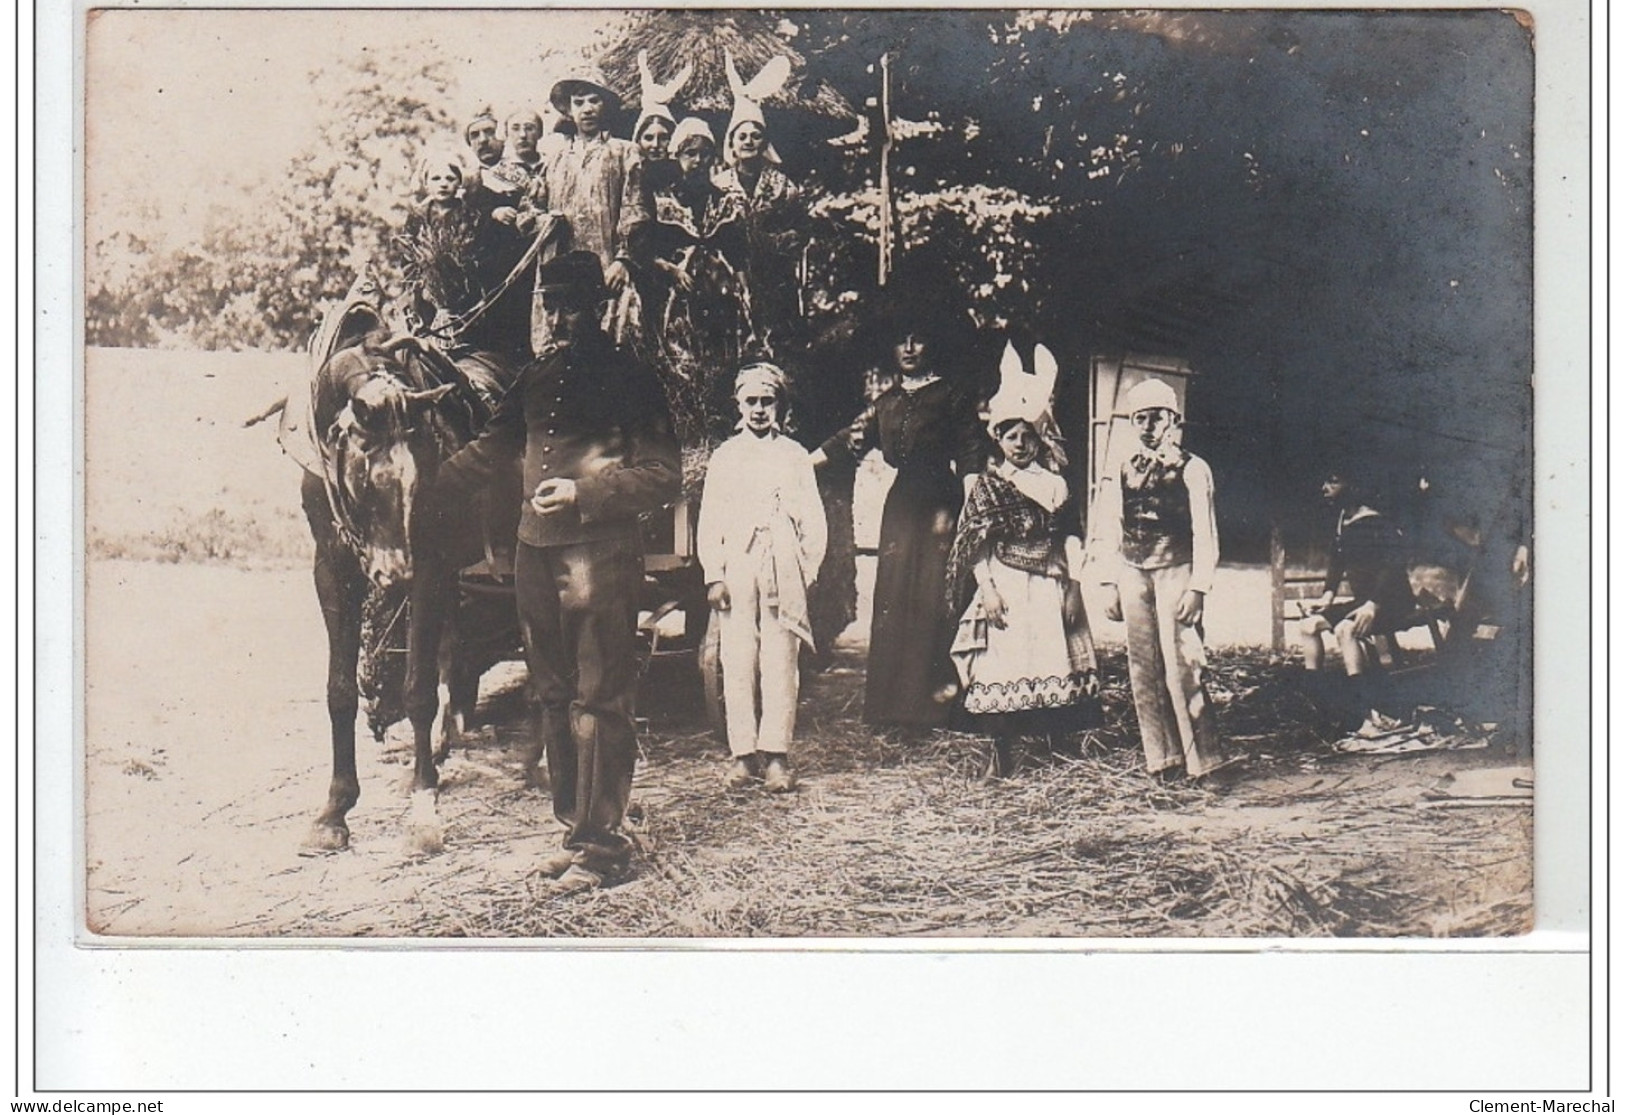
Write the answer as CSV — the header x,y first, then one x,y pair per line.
x,y
338,443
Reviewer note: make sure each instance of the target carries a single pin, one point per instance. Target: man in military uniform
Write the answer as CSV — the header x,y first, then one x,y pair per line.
x,y
599,451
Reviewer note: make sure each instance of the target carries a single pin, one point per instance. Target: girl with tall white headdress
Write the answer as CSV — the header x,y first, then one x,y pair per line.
x,y
773,206
656,123
1025,658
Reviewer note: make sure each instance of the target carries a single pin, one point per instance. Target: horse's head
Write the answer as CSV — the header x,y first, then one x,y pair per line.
x,y
382,449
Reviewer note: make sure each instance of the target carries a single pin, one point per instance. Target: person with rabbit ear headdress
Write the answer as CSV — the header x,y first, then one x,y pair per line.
x,y
1159,550
691,263
752,169
1025,659
653,130
652,134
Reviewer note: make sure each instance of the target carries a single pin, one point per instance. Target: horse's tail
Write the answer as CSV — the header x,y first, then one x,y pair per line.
x,y
275,408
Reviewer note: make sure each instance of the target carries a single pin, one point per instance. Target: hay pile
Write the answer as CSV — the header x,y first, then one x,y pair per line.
x,y
896,836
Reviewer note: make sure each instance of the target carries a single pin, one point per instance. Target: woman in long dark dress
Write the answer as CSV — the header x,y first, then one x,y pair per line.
x,y
927,430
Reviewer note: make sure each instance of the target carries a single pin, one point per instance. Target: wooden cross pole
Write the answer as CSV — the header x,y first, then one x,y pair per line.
x,y
887,232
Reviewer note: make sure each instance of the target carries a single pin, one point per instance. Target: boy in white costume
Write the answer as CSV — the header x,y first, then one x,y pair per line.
x,y
762,536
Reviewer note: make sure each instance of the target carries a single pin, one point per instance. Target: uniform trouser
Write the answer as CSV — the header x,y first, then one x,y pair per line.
x,y
577,613
1166,661
760,657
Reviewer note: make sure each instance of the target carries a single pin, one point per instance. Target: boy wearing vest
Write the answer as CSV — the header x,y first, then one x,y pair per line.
x,y
1160,549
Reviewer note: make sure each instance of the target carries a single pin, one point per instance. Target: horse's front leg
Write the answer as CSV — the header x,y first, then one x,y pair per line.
x,y
432,594
462,686
340,589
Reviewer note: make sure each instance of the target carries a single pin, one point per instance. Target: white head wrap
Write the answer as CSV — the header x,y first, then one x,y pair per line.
x,y
1151,394
688,128
760,375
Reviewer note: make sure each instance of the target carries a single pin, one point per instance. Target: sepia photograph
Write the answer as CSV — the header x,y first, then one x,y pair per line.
x,y
812,474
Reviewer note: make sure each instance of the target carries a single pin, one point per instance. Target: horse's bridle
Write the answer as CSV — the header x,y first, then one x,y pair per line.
x,y
336,443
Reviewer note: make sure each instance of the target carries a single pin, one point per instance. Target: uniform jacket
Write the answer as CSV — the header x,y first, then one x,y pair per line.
x,y
588,413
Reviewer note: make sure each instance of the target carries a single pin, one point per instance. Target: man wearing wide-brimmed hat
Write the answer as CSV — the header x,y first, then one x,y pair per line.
x,y
586,173
598,448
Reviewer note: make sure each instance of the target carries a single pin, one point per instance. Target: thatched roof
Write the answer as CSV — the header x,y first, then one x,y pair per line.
x,y
676,38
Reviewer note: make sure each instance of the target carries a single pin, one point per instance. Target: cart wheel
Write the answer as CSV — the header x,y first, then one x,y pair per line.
x,y
710,659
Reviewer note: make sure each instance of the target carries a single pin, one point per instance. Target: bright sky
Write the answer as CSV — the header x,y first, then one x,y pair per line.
x,y
185,107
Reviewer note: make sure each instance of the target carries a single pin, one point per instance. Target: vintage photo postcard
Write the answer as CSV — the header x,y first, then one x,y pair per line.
x,y
810,474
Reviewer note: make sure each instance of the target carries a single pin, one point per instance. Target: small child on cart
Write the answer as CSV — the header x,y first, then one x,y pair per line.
x,y
761,540
436,247
1160,550
1025,659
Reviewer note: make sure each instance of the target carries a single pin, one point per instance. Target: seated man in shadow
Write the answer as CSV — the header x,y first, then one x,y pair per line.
x,y
1368,550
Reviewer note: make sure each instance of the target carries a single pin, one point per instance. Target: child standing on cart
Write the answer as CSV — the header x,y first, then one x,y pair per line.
x,y
761,540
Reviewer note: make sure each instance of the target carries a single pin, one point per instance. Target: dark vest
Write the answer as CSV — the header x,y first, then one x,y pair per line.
x,y
1156,513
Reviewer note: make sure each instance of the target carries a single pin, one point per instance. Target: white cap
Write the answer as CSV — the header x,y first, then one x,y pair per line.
x,y
688,128
1151,394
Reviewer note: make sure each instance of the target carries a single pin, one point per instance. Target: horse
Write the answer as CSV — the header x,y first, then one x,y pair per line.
x,y
380,414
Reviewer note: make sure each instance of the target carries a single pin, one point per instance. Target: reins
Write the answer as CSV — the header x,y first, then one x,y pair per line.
x,y
460,323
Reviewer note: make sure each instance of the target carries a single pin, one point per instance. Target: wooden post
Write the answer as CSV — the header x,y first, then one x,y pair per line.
x,y
1277,589
886,231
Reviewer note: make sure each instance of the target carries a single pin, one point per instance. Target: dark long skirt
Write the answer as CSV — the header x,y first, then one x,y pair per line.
x,y
912,627
832,601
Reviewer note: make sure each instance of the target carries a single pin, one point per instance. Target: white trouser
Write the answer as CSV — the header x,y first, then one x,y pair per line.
x,y
760,659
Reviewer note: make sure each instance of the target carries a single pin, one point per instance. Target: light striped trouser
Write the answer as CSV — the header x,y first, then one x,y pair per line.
x,y
1166,664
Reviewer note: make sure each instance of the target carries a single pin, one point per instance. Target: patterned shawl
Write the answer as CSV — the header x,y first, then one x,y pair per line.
x,y
1000,520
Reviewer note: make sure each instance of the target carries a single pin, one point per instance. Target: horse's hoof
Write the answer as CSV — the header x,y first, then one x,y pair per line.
x,y
324,838
425,840
535,777
424,835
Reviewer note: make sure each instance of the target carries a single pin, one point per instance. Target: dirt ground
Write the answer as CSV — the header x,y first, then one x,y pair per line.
x,y
206,757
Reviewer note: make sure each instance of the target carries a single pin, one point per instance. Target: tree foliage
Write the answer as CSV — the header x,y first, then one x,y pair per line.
x,y
1248,190
269,263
